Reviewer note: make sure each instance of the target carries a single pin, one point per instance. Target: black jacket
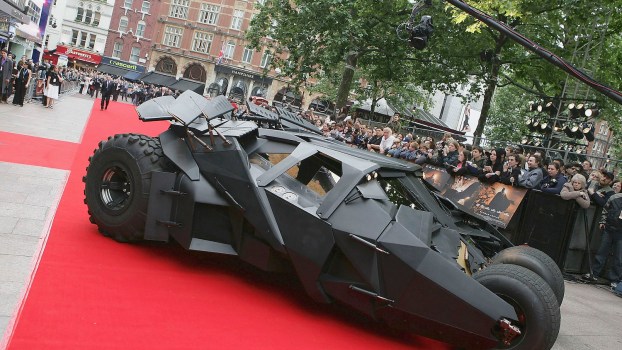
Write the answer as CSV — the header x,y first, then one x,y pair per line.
x,y
108,87
611,215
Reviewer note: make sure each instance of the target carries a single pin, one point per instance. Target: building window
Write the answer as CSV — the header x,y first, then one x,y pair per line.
x,y
229,49
195,72
179,9
96,18
91,44
238,17
202,42
83,37
116,49
34,12
80,14
128,4
247,56
88,16
209,13
140,28
145,7
74,37
172,36
265,59
167,65
135,54
123,24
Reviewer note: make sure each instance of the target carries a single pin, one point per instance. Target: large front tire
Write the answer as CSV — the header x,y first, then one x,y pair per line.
x,y
536,261
117,184
535,304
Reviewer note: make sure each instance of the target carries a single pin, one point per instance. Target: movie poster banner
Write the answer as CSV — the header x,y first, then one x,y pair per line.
x,y
436,176
496,203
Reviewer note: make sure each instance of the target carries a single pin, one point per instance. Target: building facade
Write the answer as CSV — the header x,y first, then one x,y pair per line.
x,y
77,31
204,41
15,20
132,30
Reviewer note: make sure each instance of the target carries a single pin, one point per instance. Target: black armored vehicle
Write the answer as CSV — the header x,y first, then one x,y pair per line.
x,y
357,228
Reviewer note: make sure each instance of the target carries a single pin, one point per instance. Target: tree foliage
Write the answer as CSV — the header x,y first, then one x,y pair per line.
x,y
325,39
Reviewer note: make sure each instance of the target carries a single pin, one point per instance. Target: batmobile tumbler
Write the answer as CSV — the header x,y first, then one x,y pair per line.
x,y
358,228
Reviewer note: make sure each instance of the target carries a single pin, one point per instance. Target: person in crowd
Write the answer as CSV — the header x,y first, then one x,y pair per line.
x,y
616,186
22,81
593,179
562,170
424,153
397,149
478,161
493,169
533,176
386,142
511,171
448,156
107,87
82,83
576,189
373,144
554,181
117,89
96,86
413,151
461,166
53,86
587,166
600,193
395,122
611,242
6,71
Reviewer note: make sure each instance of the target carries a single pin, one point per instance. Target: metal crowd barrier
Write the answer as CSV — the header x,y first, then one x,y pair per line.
x,y
35,91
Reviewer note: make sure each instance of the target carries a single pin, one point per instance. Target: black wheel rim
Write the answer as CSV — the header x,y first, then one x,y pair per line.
x,y
521,323
116,188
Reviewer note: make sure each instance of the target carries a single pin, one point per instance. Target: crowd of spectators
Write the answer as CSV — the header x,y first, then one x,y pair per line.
x,y
510,165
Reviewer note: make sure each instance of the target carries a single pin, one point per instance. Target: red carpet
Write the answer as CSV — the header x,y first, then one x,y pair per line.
x,y
90,292
30,150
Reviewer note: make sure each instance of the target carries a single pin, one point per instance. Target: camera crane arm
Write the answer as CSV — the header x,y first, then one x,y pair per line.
x,y
526,43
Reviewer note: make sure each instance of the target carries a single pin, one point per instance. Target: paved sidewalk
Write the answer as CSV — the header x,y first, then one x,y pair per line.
x,y
29,196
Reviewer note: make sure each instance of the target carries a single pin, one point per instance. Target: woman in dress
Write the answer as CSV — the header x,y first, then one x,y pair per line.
x,y
575,189
54,80
22,81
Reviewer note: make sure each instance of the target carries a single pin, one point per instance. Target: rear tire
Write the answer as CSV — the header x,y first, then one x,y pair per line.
x,y
535,304
117,184
538,262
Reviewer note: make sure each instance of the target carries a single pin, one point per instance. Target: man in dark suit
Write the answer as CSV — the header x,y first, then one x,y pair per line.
x,y
108,86
6,73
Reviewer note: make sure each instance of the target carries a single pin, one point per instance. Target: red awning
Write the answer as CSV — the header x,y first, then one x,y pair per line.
x,y
80,55
51,57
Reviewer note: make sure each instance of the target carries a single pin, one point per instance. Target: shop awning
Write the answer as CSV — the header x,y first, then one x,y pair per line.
x,y
116,71
159,79
132,75
186,84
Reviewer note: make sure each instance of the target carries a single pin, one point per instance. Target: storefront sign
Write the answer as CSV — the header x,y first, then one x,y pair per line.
x,y
79,55
243,73
121,64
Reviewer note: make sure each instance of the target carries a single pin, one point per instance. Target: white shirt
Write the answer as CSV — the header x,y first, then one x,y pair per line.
x,y
386,143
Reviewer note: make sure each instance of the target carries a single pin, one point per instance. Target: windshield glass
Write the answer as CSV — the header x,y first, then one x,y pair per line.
x,y
398,194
